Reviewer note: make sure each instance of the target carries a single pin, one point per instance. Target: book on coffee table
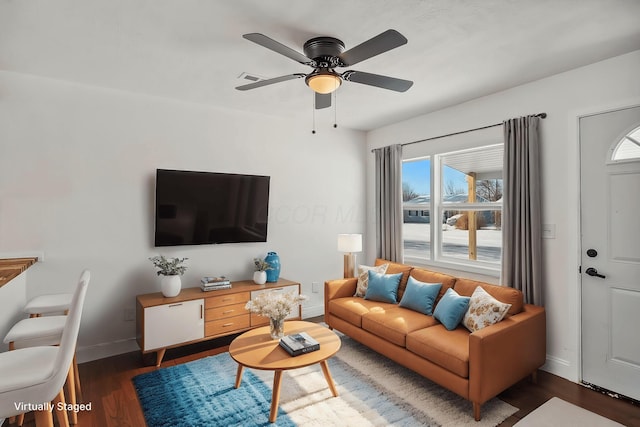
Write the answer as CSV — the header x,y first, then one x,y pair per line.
x,y
300,343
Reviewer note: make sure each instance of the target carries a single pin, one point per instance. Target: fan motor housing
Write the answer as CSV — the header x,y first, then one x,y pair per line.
x,y
324,49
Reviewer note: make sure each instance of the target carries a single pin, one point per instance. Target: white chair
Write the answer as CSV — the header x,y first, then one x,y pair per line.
x,y
36,331
47,304
39,331
31,333
32,378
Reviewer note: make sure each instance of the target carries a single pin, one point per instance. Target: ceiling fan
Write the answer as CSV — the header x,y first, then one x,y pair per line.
x,y
324,55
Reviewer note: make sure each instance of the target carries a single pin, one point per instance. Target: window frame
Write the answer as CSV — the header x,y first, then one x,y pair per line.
x,y
437,207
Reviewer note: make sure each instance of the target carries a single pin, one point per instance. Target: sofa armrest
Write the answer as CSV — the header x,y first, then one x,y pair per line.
x,y
500,355
338,288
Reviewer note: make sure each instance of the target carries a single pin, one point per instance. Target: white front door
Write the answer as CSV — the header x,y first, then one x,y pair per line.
x,y
610,232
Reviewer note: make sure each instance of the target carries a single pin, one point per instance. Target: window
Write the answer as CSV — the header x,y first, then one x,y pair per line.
x,y
463,190
628,148
416,178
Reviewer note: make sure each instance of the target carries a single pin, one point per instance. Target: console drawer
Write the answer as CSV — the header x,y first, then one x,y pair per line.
x,y
226,326
223,312
228,299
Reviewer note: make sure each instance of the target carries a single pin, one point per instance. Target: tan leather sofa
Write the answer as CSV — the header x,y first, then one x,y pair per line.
x,y
477,366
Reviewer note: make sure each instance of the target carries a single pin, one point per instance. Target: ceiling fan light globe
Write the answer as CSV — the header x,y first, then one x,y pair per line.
x,y
323,83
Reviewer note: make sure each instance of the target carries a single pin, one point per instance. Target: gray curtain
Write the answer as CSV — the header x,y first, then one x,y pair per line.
x,y
389,202
521,219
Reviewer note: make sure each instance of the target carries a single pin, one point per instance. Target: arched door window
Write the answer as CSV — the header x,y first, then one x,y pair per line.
x,y
628,148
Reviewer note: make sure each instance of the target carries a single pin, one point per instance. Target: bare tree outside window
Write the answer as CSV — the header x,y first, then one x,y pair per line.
x,y
451,189
408,192
489,189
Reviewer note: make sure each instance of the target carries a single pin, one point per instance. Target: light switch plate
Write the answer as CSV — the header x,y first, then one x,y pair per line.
x,y
548,231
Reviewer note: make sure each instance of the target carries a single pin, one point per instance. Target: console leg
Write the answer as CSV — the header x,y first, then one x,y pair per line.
x,y
160,356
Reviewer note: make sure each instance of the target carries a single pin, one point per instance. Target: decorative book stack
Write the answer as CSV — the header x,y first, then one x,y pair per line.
x,y
214,283
297,344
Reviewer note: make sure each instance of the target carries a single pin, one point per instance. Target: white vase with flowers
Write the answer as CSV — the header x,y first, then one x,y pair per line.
x,y
275,305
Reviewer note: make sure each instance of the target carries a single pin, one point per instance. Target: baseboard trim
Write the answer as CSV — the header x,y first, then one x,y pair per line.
x,y
108,349
314,311
560,367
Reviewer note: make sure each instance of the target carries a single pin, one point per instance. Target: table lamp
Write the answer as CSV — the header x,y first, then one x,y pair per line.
x,y
349,243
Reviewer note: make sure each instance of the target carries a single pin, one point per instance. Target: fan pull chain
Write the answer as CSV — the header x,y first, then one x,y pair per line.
x,y
313,131
335,109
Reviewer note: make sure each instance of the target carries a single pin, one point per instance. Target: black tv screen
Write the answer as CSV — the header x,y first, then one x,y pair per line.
x,y
196,208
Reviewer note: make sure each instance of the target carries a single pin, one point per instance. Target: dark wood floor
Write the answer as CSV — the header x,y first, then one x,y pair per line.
x,y
107,385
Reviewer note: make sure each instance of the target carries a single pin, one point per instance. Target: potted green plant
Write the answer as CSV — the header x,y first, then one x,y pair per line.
x,y
170,269
261,267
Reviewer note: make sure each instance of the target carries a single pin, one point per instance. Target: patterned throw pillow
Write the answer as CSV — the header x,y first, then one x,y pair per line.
x,y
363,278
484,310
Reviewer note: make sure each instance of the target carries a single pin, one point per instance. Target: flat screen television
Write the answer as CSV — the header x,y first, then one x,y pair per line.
x,y
196,208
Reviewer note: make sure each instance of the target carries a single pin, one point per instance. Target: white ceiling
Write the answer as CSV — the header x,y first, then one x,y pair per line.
x,y
193,50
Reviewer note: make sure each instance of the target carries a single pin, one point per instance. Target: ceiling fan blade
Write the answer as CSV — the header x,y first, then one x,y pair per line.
x,y
323,100
381,43
391,83
270,81
278,47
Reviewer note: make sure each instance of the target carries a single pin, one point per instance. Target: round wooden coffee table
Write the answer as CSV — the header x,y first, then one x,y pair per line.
x,y
255,349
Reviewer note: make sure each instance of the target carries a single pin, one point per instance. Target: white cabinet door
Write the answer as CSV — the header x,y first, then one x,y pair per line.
x,y
171,324
291,289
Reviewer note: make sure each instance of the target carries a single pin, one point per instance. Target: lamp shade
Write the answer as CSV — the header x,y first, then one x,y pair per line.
x,y
350,242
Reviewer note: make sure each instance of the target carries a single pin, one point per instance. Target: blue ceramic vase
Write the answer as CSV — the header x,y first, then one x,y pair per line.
x,y
274,261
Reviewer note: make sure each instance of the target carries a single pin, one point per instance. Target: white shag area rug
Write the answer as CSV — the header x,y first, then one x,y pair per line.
x,y
375,391
557,413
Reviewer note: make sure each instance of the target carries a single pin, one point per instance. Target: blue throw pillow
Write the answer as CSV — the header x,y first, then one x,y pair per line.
x,y
420,296
383,287
451,309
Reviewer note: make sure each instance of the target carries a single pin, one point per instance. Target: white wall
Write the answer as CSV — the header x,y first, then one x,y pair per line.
x,y
597,87
77,170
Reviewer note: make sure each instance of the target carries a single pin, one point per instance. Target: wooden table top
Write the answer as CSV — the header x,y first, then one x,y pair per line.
x,y
10,268
255,348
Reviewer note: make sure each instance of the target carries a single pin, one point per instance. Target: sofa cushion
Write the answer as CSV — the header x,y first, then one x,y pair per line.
x,y
449,349
394,323
429,276
363,277
451,309
484,310
501,293
383,287
351,309
420,296
394,268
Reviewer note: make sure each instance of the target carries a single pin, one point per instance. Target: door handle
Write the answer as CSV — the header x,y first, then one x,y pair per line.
x,y
594,273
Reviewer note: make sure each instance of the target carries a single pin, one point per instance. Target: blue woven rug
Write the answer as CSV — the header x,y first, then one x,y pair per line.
x,y
201,393
373,390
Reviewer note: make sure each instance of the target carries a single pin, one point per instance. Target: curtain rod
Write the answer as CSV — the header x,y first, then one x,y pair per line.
x,y
541,115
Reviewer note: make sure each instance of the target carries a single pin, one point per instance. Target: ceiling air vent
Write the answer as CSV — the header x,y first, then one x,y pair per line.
x,y
250,77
